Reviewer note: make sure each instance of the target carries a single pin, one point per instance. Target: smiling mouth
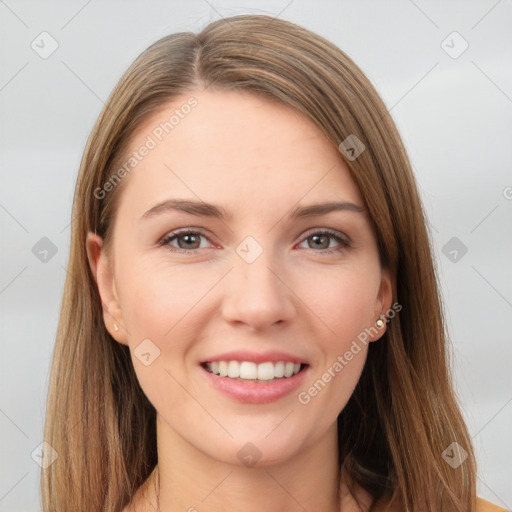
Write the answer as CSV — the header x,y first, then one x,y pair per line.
x,y
248,371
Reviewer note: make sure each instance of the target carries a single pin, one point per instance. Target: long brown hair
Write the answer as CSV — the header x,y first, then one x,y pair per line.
x,y
403,413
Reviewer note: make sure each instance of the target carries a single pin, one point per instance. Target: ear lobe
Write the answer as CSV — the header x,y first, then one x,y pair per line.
x,y
384,301
103,273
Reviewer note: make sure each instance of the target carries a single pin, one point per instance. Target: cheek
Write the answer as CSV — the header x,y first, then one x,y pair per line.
x,y
164,309
345,300
156,299
157,303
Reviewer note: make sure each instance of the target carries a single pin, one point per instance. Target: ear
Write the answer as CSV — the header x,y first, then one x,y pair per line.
x,y
384,302
103,272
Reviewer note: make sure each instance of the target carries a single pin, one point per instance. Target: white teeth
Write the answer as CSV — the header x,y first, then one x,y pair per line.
x,y
223,368
248,370
288,369
266,371
279,369
234,369
252,371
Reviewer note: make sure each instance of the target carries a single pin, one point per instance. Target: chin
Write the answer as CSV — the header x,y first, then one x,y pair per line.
x,y
257,451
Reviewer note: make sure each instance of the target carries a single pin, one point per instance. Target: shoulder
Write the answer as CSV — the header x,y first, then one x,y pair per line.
x,y
481,506
486,506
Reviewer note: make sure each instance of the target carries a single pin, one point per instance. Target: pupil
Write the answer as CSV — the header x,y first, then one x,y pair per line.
x,y
189,241
317,238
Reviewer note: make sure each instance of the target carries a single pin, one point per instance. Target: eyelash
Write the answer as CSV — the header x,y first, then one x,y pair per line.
x,y
344,243
167,239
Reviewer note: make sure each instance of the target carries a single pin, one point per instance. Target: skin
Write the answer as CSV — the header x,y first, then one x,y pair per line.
x,y
257,160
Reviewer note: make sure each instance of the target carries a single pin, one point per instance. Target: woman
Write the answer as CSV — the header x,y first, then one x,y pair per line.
x,y
251,318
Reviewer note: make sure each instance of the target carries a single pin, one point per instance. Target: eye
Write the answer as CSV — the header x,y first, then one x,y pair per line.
x,y
322,240
184,241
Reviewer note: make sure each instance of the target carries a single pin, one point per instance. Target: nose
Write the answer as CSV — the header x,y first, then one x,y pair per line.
x,y
257,295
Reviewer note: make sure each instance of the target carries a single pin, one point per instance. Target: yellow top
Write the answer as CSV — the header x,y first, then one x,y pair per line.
x,y
487,506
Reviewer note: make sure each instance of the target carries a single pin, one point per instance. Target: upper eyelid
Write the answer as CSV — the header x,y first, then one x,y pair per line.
x,y
334,233
329,231
181,231
176,233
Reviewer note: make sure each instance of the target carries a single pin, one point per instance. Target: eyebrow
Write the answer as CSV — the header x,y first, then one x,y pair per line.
x,y
187,206
210,210
324,208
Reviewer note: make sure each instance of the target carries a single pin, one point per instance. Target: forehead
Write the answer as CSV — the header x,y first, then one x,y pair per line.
x,y
235,149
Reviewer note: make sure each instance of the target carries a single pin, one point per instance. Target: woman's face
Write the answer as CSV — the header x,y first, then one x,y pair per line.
x,y
223,260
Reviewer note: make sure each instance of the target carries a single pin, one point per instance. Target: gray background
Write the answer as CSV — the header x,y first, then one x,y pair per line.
x,y
453,113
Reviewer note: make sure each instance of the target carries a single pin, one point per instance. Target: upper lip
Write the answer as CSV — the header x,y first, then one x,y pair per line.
x,y
273,356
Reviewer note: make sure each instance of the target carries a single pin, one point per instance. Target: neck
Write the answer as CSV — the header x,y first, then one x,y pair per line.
x,y
188,480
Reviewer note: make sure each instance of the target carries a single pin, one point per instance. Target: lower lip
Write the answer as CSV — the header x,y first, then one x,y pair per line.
x,y
256,392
